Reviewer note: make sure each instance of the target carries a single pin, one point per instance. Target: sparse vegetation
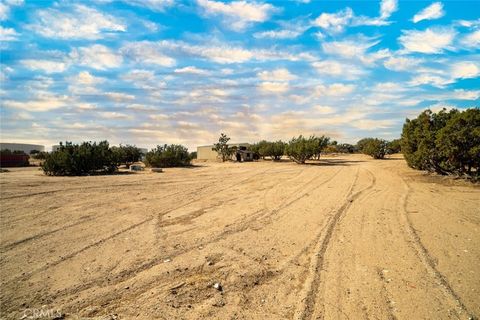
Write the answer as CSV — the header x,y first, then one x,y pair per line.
x,y
80,159
447,142
376,148
173,155
224,151
274,150
302,149
126,154
394,146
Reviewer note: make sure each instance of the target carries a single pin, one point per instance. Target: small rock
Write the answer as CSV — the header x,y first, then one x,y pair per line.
x,y
166,260
218,286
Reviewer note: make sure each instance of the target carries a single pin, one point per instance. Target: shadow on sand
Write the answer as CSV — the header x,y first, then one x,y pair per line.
x,y
333,162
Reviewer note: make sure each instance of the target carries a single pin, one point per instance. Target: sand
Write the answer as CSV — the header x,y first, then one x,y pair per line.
x,y
344,238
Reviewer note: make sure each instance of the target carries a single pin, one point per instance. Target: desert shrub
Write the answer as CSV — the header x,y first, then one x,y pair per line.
x,y
126,154
301,149
346,148
376,148
42,155
394,146
447,142
80,159
193,155
274,150
165,156
419,137
222,147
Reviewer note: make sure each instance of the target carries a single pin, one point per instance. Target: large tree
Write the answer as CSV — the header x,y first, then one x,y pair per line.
x,y
301,149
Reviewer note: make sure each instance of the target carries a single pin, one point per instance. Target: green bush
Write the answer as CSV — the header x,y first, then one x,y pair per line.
x,y
346,148
222,147
394,146
76,160
376,148
165,156
274,150
126,154
302,149
447,142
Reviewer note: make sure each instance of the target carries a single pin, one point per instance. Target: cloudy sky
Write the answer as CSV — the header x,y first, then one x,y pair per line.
x,y
149,72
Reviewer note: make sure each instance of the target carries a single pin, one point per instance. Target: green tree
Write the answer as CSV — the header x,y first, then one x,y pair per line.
x,y
394,146
419,140
165,156
376,148
80,159
222,147
458,143
126,155
302,149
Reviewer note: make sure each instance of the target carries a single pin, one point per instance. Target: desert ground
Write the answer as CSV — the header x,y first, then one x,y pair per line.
x,y
346,237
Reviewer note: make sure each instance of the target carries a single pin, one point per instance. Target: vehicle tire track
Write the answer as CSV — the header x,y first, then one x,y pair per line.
x,y
309,303
424,255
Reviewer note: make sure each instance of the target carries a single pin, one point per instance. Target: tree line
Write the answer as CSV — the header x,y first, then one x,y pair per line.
x,y
90,158
446,142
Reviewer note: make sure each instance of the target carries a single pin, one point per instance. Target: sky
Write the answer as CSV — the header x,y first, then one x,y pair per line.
x,y
149,72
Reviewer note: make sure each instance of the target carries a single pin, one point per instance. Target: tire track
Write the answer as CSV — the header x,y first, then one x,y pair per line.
x,y
132,272
309,303
424,255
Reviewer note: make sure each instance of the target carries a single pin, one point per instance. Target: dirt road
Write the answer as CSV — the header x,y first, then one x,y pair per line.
x,y
345,238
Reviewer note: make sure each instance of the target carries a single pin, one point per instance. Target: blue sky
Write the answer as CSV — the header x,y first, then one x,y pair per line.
x,y
162,71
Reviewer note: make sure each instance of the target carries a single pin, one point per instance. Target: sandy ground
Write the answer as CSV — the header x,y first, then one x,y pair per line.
x,y
345,238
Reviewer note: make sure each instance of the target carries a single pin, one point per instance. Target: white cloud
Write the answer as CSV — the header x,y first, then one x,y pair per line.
x,y
370,124
154,5
402,63
119,96
428,41
84,83
335,89
81,23
48,66
147,53
278,34
8,34
276,75
465,70
44,101
337,22
387,7
289,30
139,76
86,78
96,56
238,15
114,115
274,87
338,69
350,48
334,22
430,79
5,7
191,70
323,109
433,11
471,40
